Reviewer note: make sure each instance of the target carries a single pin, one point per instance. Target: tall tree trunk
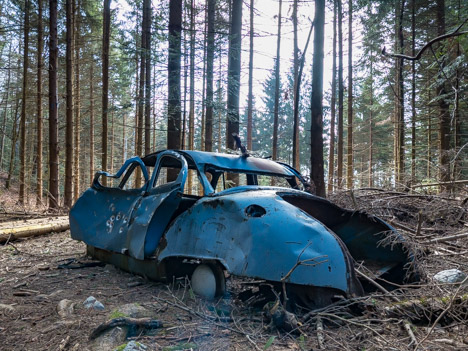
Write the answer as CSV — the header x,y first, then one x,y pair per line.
x,y
296,151
399,147
234,73
250,98
174,113
147,29
14,133
413,93
77,100
444,115
23,104
370,180
202,136
105,82
209,77
141,95
68,188
316,129
340,95
277,86
53,113
40,47
331,152
191,121
5,109
349,172
91,120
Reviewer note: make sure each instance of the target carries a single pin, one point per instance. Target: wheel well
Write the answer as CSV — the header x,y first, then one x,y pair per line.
x,y
181,266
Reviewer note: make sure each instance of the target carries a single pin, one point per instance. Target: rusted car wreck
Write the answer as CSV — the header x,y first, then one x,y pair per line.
x,y
161,230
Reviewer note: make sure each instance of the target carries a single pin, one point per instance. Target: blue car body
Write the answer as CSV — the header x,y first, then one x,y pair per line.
x,y
251,230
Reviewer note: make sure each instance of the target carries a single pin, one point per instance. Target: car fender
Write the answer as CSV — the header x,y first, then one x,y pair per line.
x,y
265,244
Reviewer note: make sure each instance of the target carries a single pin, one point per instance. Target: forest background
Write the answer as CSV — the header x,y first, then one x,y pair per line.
x,y
84,85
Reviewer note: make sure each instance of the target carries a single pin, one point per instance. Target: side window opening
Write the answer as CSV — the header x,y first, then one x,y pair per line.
x,y
168,171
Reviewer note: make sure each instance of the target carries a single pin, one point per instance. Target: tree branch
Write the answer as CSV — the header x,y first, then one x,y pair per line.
x,y
455,33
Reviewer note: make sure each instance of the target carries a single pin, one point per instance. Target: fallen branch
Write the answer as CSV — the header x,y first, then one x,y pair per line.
x,y
146,323
447,238
455,182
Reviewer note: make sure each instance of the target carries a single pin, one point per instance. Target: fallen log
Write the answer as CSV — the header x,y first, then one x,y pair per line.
x,y
22,230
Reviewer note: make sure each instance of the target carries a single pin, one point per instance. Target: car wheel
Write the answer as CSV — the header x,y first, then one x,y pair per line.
x,y
208,281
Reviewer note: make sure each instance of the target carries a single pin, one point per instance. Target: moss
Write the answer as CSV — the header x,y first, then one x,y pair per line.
x,y
121,347
180,347
117,314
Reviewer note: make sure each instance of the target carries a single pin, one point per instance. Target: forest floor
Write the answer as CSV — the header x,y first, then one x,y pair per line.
x,y
44,281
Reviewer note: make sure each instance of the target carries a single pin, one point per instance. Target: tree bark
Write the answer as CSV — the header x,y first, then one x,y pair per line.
x,y
53,113
5,109
296,146
340,96
444,114
40,64
277,87
23,104
209,77
234,73
147,52
349,150
105,83
316,130
68,188
91,120
250,98
174,111
331,152
77,100
413,94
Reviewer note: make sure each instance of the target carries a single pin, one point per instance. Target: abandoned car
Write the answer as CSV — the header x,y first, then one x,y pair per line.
x,y
202,214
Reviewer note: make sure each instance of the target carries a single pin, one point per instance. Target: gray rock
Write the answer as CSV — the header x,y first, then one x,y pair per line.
x,y
135,346
65,308
450,276
92,302
134,310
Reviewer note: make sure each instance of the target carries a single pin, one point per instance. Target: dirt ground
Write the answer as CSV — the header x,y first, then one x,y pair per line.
x,y
36,274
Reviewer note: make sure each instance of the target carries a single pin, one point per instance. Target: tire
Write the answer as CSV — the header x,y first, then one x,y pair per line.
x,y
208,281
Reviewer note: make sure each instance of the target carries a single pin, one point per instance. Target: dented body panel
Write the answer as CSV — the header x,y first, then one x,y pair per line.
x,y
252,230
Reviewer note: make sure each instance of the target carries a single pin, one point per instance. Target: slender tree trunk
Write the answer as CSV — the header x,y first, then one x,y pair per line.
x,y
77,100
413,93
105,82
191,119
331,152
68,188
112,138
91,120
277,87
147,29
399,98
53,113
349,172
5,109
202,136
316,129
370,180
174,113
340,96
296,144
457,122
250,98
14,140
40,46
185,133
209,77
444,115
141,95
23,104
234,74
